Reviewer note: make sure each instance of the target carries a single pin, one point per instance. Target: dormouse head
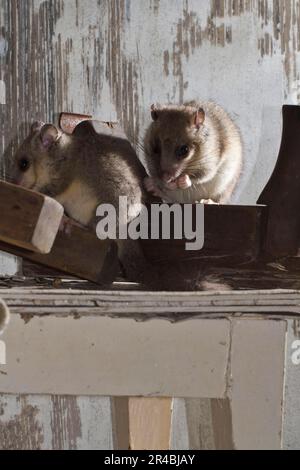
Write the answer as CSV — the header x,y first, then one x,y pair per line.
x,y
34,159
176,134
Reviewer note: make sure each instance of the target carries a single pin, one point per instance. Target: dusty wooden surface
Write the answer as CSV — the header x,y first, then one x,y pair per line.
x,y
63,299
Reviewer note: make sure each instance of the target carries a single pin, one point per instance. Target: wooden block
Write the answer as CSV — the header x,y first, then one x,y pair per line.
x,y
232,233
28,220
150,423
76,251
68,121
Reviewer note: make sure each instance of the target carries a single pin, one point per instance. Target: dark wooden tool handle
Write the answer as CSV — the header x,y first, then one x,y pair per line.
x,y
282,192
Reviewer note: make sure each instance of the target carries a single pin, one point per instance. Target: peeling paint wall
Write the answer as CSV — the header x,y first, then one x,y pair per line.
x,y
45,422
113,58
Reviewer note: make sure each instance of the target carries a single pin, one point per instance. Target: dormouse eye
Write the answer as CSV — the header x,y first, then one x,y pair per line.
x,y
24,164
182,151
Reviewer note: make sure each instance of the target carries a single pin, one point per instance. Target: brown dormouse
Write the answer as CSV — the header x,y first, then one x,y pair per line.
x,y
193,153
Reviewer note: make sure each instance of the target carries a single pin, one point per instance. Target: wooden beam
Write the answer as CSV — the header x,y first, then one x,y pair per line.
x,y
150,423
76,251
141,305
96,355
28,219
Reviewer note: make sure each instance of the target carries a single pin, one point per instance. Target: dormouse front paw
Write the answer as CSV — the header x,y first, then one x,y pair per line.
x,y
184,182
172,185
152,187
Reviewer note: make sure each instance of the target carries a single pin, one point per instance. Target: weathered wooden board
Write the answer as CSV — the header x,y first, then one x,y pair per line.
x,y
240,359
251,417
201,424
76,251
291,404
48,422
28,219
104,356
140,305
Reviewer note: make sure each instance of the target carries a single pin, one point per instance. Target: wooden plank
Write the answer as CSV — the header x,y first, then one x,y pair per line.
x,y
108,357
251,416
77,251
150,423
28,220
256,381
232,234
48,422
201,424
120,423
140,305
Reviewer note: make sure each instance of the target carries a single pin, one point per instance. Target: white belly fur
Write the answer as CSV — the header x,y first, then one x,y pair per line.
x,y
79,202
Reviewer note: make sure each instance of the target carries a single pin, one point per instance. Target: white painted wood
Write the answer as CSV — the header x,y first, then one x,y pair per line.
x,y
192,424
291,417
2,90
113,357
251,418
9,265
143,305
257,382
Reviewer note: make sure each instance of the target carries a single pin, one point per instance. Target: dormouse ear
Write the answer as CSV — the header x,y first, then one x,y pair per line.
x,y
37,126
49,135
154,112
199,118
